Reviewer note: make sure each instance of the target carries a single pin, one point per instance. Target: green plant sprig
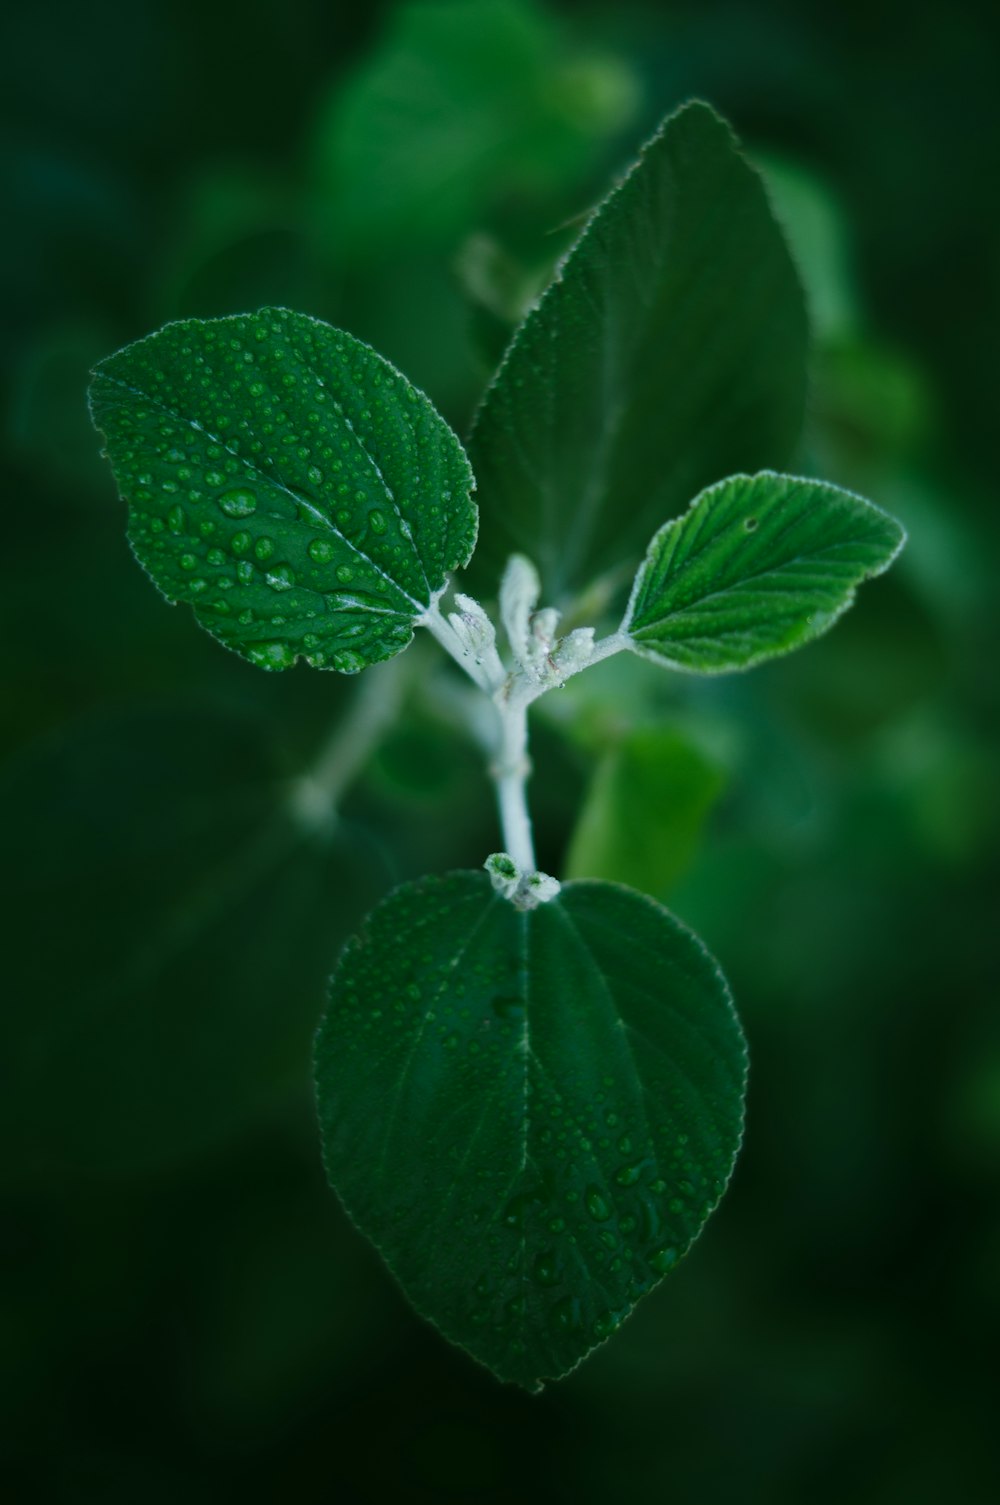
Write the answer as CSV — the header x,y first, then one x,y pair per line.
x,y
530,1092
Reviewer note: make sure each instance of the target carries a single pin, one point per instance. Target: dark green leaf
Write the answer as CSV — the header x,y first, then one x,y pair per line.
x,y
758,565
644,812
168,909
530,1114
288,483
669,351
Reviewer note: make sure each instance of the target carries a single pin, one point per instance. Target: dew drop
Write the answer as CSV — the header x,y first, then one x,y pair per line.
x,y
280,577
597,1206
321,551
545,1269
604,1325
237,503
513,1213
347,662
663,1260
276,655
564,1316
240,542
175,520
264,547
344,573
377,522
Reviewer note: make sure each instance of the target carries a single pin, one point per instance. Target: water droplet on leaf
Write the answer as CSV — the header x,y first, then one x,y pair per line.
x,y
237,503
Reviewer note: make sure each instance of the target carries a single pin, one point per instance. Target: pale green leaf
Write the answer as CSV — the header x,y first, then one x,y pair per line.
x,y
669,351
461,103
643,815
531,1114
758,565
288,483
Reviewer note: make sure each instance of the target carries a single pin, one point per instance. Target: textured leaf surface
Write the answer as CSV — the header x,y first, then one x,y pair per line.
x,y
530,1114
757,566
669,351
642,819
287,482
169,923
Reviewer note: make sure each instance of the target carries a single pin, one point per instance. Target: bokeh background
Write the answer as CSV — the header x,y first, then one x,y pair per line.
x,y
186,1314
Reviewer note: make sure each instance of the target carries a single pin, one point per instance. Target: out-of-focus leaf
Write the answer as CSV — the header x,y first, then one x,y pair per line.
x,y
871,404
172,913
499,290
814,223
531,1114
238,240
463,102
288,483
668,352
645,810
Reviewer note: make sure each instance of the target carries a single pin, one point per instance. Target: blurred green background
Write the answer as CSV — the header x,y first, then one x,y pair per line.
x,y
186,1314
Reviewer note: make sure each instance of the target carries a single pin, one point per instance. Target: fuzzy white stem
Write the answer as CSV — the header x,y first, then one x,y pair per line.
x,y
614,643
510,772
488,672
316,793
541,664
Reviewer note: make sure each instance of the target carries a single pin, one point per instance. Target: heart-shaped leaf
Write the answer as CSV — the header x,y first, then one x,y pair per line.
x,y
531,1114
669,351
288,483
758,565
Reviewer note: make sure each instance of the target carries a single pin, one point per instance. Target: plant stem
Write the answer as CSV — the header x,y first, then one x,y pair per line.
x,y
488,673
615,642
510,771
314,796
511,693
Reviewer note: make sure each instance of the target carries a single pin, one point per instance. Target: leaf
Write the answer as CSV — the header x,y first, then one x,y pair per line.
x,y
168,915
288,483
531,1114
758,565
818,232
642,819
460,104
669,351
